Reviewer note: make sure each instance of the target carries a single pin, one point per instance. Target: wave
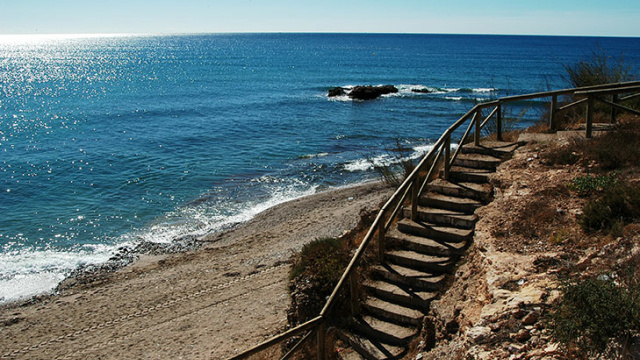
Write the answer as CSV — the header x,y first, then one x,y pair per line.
x,y
30,272
370,163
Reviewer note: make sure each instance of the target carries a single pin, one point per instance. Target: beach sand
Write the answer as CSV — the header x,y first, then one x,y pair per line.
x,y
208,303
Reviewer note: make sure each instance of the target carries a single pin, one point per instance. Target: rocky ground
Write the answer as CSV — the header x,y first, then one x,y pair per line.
x,y
527,241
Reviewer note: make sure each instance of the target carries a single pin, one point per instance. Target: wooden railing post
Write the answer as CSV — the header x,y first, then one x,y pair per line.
x,y
321,342
552,112
414,200
447,156
478,118
499,123
589,116
614,111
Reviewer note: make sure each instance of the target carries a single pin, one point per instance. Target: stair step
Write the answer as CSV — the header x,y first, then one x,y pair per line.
x,y
446,202
371,350
400,294
393,312
444,217
477,161
419,261
382,330
466,174
417,279
423,244
475,191
499,149
432,231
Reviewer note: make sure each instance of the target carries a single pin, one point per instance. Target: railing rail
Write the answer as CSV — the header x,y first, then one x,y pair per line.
x,y
415,183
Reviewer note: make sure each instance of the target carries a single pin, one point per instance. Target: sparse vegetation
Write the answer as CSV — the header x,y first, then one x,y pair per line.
x,y
593,313
397,166
589,185
597,69
617,206
616,149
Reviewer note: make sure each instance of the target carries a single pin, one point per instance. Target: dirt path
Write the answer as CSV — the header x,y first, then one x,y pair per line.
x,y
205,304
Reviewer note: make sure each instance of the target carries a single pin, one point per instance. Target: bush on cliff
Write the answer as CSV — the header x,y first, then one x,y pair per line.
x,y
315,273
594,314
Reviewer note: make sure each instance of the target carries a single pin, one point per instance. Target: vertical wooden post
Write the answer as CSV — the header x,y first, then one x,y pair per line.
x,y
499,122
589,117
321,342
381,238
414,200
353,287
614,111
478,121
552,112
447,156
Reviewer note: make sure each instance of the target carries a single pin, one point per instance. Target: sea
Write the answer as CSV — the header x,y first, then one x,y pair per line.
x,y
109,141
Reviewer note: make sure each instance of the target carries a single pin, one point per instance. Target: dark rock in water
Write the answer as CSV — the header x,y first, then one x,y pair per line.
x,y
371,92
336,91
421,91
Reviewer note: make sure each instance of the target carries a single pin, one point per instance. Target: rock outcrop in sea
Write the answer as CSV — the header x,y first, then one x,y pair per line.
x,y
367,92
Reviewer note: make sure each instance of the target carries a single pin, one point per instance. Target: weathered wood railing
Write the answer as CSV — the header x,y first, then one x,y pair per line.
x,y
440,156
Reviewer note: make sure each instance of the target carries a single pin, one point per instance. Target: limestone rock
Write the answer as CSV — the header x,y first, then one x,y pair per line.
x,y
479,334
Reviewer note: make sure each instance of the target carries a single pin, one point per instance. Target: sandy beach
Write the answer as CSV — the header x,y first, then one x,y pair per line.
x,y
205,304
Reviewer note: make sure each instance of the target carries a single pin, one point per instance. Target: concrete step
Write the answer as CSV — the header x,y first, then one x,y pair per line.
x,y
400,294
466,174
447,202
444,217
419,261
432,231
398,239
371,349
497,149
383,331
481,192
394,313
477,161
405,276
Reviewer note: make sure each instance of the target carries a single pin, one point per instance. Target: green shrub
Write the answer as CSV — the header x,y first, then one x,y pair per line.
x,y
616,206
594,312
589,185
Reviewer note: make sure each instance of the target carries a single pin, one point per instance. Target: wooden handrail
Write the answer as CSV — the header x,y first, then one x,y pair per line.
x,y
618,90
441,146
311,324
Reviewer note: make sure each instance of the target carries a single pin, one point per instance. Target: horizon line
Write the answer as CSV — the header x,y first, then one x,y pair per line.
x,y
99,34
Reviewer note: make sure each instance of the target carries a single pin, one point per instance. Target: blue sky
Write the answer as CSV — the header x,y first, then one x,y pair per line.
x,y
540,17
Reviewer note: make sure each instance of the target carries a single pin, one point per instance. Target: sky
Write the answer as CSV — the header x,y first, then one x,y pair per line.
x,y
539,17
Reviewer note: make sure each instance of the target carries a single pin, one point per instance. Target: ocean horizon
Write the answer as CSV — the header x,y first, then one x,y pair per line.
x,y
110,141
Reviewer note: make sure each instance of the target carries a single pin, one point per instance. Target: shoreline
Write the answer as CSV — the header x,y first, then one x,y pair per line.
x,y
127,256
224,296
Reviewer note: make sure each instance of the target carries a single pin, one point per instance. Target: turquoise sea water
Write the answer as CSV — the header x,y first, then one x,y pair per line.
x,y
106,141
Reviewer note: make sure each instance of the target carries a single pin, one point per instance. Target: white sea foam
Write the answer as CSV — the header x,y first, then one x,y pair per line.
x,y
366,164
483,90
31,272
197,221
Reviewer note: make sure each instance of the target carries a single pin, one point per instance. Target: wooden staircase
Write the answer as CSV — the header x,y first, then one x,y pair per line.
x,y
420,254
